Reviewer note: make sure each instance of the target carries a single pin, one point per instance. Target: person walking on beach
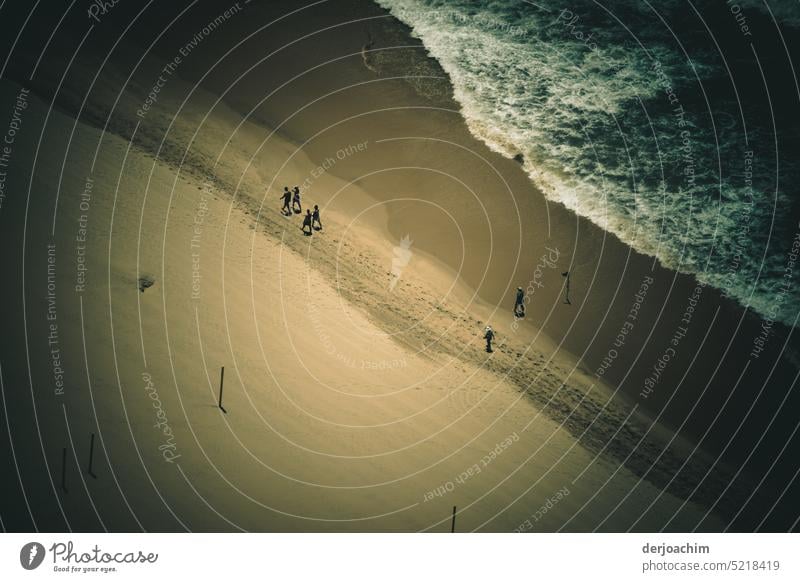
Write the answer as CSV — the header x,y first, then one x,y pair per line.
x,y
519,305
287,199
296,206
307,223
489,336
315,218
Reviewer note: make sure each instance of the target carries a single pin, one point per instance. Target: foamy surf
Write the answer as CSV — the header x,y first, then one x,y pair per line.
x,y
611,119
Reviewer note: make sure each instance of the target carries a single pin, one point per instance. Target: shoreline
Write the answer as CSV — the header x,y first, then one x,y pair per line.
x,y
622,270
463,403
411,436
424,176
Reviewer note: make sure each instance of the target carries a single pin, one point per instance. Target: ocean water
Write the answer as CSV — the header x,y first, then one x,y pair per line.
x,y
671,125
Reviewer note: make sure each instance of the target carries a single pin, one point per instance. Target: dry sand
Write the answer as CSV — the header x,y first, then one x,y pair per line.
x,y
349,403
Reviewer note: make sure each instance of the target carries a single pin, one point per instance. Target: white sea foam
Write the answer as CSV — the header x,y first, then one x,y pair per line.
x,y
605,110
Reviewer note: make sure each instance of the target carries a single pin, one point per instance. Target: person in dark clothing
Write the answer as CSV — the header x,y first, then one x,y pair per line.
x,y
315,218
307,223
489,336
296,206
519,305
287,199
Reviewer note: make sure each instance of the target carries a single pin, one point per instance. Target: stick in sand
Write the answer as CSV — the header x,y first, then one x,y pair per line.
x,y
221,380
91,457
566,298
453,524
64,469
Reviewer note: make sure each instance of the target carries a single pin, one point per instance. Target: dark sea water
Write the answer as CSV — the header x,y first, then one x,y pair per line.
x,y
672,125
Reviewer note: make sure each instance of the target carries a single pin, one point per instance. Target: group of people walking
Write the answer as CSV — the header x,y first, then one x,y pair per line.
x,y
292,205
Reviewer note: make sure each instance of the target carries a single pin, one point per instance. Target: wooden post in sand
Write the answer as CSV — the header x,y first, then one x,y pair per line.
x,y
91,457
221,380
64,469
453,523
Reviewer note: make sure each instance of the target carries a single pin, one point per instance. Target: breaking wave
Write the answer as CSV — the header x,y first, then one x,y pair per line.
x,y
643,119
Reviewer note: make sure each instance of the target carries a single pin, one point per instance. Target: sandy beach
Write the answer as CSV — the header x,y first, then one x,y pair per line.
x,y
357,391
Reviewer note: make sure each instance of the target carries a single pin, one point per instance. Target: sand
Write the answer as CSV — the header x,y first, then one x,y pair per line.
x,y
351,405
333,423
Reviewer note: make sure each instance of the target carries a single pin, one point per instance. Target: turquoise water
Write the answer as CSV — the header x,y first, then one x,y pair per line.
x,y
637,118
